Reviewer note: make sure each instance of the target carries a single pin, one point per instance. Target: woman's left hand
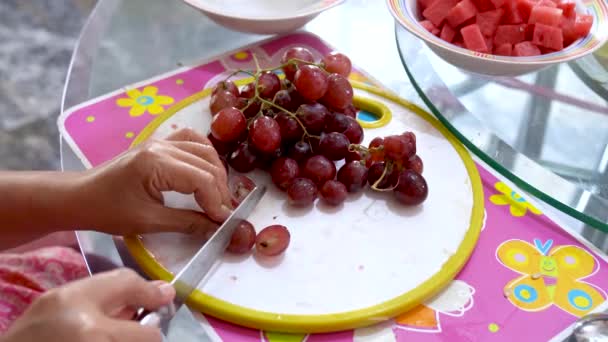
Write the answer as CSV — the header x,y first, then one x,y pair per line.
x,y
123,196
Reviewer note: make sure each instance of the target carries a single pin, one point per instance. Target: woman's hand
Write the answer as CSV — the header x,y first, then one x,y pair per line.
x,y
91,310
124,196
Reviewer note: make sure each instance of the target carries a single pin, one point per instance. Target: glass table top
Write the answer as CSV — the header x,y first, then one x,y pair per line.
x,y
545,131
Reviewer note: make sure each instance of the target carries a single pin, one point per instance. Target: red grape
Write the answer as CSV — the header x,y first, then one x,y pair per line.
x,y
375,172
268,85
314,144
253,108
241,102
265,160
376,142
300,151
228,86
221,100
228,124
376,151
290,128
242,239
295,53
411,188
311,82
353,156
284,171
243,159
301,192
265,134
296,98
354,132
339,92
410,140
415,164
334,145
240,187
333,192
350,111
410,136
221,147
319,169
337,63
248,90
282,99
313,117
336,122
353,175
395,147
272,240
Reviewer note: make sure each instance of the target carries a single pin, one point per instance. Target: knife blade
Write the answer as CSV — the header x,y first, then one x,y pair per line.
x,y
188,279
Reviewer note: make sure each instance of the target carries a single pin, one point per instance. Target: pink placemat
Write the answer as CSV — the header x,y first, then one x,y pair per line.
x,y
527,279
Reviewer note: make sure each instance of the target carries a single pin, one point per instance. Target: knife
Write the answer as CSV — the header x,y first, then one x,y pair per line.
x,y
188,279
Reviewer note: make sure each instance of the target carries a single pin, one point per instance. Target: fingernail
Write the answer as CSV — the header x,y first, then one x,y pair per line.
x,y
167,290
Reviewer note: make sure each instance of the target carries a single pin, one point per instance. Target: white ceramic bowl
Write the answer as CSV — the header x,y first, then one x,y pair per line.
x,y
262,16
406,13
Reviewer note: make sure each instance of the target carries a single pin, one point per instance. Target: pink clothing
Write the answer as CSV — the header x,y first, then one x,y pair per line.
x,y
25,276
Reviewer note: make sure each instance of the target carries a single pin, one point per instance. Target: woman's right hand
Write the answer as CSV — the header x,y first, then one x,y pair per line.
x,y
96,309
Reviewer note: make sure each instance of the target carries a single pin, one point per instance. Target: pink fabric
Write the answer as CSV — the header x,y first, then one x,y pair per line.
x,y
24,277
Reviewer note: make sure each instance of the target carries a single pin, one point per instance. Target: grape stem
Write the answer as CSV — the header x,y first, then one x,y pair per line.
x,y
256,96
388,165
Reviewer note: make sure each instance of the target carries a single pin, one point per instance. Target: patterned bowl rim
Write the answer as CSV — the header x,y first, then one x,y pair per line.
x,y
403,14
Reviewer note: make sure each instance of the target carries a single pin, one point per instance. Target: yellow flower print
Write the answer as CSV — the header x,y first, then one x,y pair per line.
x,y
518,206
146,100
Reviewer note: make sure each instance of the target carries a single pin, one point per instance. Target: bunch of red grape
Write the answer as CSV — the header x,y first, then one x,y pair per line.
x,y
299,127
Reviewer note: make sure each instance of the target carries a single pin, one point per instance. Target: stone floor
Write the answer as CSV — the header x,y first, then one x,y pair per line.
x,y
36,42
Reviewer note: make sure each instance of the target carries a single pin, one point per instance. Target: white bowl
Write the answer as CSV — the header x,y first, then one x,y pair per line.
x,y
406,13
262,16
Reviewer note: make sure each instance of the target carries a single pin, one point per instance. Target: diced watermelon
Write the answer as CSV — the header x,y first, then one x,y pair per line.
x,y
548,36
438,10
546,15
462,12
473,39
506,27
430,27
511,34
547,3
524,7
582,25
512,14
503,50
489,43
488,21
529,31
544,50
483,5
425,3
569,8
525,49
498,3
447,33
567,26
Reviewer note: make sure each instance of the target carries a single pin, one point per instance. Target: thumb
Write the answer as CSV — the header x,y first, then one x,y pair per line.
x,y
115,290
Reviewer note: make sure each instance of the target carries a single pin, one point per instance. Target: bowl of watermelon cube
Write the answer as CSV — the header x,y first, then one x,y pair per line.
x,y
505,37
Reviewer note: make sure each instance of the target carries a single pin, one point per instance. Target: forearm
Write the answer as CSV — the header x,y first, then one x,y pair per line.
x,y
37,203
